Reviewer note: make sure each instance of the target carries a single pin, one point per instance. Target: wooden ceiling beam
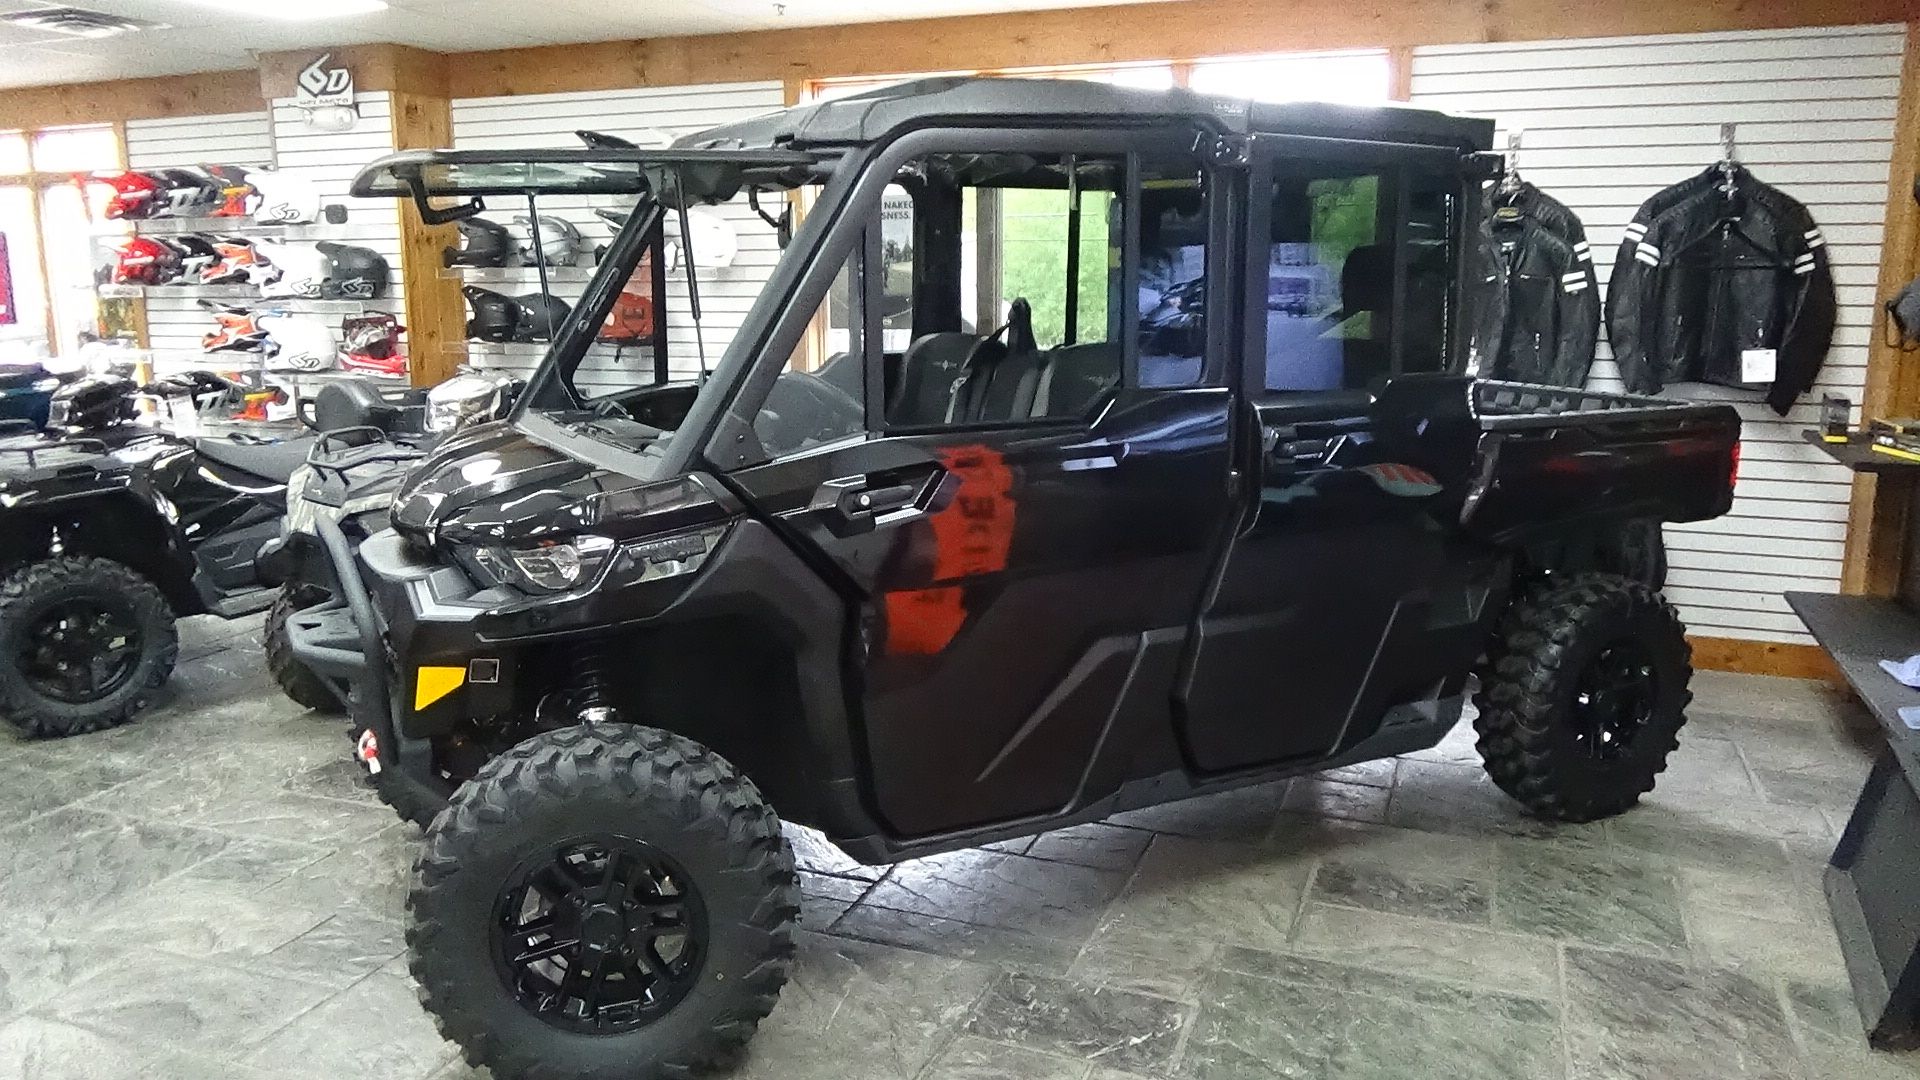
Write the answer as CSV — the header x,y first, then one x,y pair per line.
x,y
204,94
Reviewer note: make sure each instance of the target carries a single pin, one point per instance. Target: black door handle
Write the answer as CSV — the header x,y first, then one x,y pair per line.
x,y
854,504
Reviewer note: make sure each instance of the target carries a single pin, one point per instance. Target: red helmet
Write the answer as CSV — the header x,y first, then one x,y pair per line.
x,y
145,261
235,190
370,344
135,195
236,261
630,322
237,331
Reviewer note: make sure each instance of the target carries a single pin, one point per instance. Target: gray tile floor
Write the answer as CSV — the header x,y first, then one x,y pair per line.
x,y
209,893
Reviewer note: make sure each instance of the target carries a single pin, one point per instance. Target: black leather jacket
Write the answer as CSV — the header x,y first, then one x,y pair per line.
x,y
1549,312
1705,282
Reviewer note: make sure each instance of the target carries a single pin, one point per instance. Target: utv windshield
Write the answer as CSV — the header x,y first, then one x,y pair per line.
x,y
612,278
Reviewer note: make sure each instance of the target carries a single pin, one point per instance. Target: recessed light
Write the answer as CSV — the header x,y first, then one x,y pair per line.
x,y
76,22
297,10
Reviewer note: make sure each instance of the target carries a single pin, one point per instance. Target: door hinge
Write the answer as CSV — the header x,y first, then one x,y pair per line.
x,y
1227,151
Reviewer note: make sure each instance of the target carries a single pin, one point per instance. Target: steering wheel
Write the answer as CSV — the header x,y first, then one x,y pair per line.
x,y
803,409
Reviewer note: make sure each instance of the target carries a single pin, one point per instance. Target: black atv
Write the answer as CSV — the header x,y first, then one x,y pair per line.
x,y
110,528
369,439
953,588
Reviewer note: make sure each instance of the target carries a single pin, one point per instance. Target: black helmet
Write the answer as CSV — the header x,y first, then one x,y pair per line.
x,y
541,315
96,401
500,318
353,272
494,315
197,254
482,243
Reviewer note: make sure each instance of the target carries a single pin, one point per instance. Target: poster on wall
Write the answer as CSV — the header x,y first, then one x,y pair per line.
x,y
8,316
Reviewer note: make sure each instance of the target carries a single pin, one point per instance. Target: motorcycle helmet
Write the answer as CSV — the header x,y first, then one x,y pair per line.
x,y
373,334
630,322
93,402
204,390
235,190
541,316
135,196
299,342
283,198
143,260
370,345
238,262
353,272
303,270
197,254
238,330
495,315
482,243
558,242
714,242
189,193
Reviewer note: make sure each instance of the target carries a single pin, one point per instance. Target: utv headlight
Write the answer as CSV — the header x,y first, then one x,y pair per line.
x,y
554,566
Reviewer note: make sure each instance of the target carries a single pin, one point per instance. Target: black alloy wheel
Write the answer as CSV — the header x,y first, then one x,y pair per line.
x,y
80,650
1614,699
603,935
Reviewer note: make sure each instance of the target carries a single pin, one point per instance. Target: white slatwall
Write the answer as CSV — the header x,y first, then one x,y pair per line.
x,y
277,138
1610,121
549,120
331,159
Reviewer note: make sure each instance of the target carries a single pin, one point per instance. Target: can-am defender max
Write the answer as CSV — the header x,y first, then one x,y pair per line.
x,y
1032,563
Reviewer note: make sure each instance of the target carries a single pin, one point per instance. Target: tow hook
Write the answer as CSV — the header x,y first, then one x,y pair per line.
x,y
367,749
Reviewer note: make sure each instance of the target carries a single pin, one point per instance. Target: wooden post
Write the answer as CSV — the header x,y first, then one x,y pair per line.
x,y
1400,73
436,317
1877,518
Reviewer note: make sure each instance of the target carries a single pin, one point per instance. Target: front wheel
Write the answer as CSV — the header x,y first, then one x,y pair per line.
x,y
294,678
1582,696
603,901
84,643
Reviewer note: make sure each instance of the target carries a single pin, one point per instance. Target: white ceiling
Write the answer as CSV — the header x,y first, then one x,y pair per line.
x,y
202,38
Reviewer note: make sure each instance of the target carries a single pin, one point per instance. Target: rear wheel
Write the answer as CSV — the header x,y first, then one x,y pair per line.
x,y
84,643
294,678
603,901
1582,696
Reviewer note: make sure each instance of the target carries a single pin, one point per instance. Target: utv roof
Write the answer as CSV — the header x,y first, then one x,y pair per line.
x,y
865,118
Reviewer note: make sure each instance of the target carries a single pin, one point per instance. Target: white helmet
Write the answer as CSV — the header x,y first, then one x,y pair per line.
x,y
559,242
284,198
303,270
714,242
304,342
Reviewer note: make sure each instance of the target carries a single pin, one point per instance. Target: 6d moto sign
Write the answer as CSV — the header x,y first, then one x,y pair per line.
x,y
322,86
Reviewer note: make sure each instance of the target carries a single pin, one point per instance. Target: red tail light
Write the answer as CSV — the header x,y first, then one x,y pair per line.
x,y
1733,473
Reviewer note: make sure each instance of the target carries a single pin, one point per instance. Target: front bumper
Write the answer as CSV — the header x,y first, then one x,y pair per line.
x,y
345,642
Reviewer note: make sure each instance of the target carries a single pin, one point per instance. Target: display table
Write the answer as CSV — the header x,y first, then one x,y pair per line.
x,y
1873,879
1858,454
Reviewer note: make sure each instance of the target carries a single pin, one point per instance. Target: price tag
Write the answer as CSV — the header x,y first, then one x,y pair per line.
x,y
1758,365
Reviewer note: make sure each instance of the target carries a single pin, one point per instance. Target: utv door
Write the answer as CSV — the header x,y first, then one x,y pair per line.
x,y
1024,527
1317,622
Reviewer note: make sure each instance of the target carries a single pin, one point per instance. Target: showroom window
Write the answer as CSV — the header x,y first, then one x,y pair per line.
x,y
1359,77
49,219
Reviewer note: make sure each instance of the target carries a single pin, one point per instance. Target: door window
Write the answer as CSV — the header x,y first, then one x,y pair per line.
x,y
1359,274
820,394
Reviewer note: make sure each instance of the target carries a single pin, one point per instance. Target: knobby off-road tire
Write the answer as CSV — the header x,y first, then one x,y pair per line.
x,y
679,804
33,594
1582,696
294,678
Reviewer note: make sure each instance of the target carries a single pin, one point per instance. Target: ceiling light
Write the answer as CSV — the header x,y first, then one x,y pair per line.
x,y
301,11
76,22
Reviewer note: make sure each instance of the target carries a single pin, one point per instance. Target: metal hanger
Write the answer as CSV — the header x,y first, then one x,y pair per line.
x,y
1729,161
1510,179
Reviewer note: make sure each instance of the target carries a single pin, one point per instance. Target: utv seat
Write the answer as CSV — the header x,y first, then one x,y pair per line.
x,y
272,461
1074,377
928,372
1003,374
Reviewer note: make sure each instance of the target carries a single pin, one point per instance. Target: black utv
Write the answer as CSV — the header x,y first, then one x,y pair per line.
x,y
1163,484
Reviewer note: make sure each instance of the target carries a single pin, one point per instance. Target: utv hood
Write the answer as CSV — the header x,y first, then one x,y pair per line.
x,y
495,484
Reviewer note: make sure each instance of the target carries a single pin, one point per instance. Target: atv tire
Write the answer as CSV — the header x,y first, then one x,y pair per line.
x,y
708,847
39,605
294,678
1582,696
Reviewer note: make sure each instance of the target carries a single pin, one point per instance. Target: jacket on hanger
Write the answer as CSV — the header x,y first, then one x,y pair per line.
x,y
1558,219
1728,288
1548,314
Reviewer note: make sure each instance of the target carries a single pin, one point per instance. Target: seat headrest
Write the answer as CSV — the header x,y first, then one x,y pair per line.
x,y
1366,281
